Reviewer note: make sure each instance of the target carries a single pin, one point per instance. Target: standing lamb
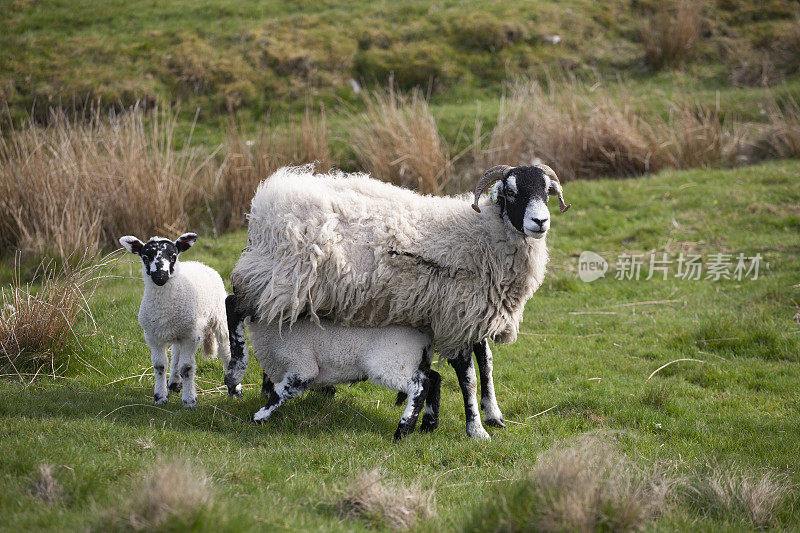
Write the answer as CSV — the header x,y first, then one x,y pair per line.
x,y
183,306
317,356
366,253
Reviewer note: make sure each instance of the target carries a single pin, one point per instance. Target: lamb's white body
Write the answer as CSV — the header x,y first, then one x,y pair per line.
x,y
313,356
189,310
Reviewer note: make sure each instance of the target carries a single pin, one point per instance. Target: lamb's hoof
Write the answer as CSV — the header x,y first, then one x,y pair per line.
x,y
159,400
495,422
190,404
176,387
261,415
478,433
428,424
399,434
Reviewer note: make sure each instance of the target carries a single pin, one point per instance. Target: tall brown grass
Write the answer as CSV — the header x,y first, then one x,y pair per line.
x,y
77,185
698,136
780,136
396,139
671,35
374,497
578,132
40,322
248,162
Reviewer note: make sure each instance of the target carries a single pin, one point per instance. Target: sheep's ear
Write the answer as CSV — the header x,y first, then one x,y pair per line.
x,y
185,241
496,191
132,244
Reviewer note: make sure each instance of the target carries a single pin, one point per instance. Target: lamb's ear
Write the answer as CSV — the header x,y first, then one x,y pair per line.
x,y
132,244
185,241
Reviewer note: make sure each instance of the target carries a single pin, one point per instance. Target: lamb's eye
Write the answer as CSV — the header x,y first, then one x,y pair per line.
x,y
172,258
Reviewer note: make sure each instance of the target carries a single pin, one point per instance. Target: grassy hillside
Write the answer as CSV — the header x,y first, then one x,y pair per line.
x,y
273,57
584,356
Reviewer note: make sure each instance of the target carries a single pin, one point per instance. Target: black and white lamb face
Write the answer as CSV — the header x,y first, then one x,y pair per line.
x,y
522,193
159,256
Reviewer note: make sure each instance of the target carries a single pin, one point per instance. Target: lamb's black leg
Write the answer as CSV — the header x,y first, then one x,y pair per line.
x,y
239,356
465,371
419,387
492,414
430,419
290,387
266,385
401,397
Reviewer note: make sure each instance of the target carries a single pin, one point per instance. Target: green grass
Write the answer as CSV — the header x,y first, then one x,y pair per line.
x,y
738,407
268,59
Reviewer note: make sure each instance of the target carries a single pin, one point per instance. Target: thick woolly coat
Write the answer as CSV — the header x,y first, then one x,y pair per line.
x,y
191,305
366,253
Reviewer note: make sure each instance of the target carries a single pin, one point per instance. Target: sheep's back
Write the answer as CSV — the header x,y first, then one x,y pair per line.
x,y
366,253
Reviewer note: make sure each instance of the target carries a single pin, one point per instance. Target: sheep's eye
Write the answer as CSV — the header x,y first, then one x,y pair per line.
x,y
172,258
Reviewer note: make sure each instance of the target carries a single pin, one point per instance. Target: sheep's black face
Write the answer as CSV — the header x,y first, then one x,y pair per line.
x,y
523,193
159,256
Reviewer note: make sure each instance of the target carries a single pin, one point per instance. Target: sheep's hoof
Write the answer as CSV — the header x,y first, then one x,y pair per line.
x,y
159,400
327,391
190,404
176,387
478,433
234,389
495,422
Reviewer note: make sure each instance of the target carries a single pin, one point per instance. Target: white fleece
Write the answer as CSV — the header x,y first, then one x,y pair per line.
x,y
367,253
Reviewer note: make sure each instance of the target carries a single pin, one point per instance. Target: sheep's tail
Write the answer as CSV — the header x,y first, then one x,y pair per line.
x,y
209,342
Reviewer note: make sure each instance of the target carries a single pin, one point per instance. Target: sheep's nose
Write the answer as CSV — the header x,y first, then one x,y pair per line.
x,y
540,221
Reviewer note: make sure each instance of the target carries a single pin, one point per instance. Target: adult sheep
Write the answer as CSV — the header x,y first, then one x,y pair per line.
x,y
366,253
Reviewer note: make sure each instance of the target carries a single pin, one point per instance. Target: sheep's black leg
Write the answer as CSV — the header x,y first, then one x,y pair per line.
x,y
266,385
465,371
401,397
239,356
492,414
419,387
430,420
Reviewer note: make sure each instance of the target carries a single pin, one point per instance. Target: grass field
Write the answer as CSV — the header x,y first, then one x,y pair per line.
x,y
584,356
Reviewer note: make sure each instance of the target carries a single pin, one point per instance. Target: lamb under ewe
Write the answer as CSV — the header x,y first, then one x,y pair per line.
x,y
319,356
183,306
366,253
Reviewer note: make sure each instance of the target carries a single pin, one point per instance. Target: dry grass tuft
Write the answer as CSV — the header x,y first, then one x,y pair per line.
x,y
732,492
174,494
670,37
699,136
373,497
73,186
580,132
397,140
249,162
45,486
588,486
780,137
39,320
